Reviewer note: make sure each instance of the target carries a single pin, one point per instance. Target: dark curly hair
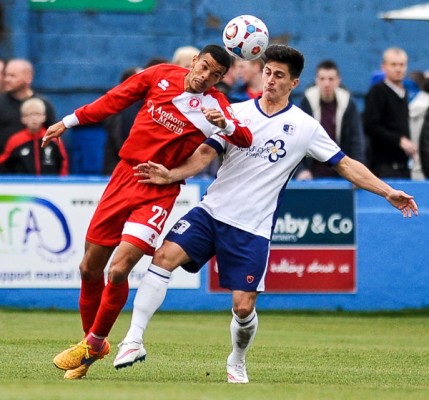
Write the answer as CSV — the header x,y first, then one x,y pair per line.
x,y
220,55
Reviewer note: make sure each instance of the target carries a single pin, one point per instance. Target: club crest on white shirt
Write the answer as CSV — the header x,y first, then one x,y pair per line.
x,y
289,128
194,103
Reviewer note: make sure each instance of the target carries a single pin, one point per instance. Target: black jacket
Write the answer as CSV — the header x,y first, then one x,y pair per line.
x,y
385,121
424,145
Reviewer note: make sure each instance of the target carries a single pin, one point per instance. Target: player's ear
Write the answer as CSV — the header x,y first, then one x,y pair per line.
x,y
295,83
194,59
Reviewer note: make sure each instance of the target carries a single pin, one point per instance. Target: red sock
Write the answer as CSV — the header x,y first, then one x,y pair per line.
x,y
89,301
112,302
95,343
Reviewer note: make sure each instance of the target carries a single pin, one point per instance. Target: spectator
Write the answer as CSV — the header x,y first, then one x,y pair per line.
x,y
155,61
2,65
230,79
23,153
424,145
249,85
417,110
18,77
386,119
184,55
414,84
336,110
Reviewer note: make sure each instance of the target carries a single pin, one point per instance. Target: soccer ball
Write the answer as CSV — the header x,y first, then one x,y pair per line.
x,y
245,37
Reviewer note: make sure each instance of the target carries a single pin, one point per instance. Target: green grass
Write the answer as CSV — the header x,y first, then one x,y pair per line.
x,y
295,356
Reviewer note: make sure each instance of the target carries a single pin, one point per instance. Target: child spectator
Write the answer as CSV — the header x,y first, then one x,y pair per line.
x,y
23,153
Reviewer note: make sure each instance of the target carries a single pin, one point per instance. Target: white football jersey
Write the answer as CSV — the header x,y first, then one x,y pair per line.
x,y
250,182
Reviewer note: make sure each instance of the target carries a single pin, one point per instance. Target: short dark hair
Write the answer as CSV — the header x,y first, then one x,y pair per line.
x,y
286,55
328,64
220,55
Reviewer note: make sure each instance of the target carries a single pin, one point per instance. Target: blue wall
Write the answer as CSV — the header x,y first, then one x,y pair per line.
x,y
79,55
392,267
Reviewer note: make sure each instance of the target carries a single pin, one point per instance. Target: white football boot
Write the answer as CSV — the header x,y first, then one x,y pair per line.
x,y
129,353
237,373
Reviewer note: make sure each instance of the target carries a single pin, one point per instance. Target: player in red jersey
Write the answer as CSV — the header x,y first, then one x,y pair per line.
x,y
180,110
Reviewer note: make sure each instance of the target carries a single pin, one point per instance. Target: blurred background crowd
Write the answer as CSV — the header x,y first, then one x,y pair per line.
x,y
366,80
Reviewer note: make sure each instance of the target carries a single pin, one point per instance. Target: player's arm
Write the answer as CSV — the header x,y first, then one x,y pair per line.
x,y
114,101
356,173
231,129
54,132
151,172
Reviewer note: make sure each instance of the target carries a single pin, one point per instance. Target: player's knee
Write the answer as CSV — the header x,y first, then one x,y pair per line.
x,y
117,274
166,259
87,273
243,310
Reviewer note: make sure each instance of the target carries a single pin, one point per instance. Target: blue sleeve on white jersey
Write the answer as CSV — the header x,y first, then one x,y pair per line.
x,y
212,142
335,159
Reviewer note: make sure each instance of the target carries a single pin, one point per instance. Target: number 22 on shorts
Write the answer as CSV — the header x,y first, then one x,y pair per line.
x,y
159,217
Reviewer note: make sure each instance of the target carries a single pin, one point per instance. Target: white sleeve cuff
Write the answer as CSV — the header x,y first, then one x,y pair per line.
x,y
229,129
70,120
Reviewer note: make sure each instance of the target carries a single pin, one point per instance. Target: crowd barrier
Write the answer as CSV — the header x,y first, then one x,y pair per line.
x,y
334,248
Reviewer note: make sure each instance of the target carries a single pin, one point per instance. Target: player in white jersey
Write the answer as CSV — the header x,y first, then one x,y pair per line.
x,y
235,219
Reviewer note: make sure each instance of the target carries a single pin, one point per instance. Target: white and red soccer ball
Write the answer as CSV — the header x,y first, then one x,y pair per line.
x,y
245,37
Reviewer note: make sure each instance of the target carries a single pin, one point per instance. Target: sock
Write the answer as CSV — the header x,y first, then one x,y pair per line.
x,y
243,332
89,301
112,302
149,297
95,341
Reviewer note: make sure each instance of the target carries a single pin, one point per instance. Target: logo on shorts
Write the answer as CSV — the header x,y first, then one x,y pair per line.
x,y
152,238
250,278
180,227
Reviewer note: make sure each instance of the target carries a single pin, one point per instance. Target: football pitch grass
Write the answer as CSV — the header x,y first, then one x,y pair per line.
x,y
298,355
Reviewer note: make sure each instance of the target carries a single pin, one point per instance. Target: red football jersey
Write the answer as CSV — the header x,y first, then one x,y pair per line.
x,y
170,125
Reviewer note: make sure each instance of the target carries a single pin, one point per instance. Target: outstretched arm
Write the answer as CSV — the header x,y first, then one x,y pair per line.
x,y
151,172
53,132
356,173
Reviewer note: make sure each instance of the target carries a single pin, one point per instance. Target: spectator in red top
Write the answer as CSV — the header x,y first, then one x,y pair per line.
x,y
23,153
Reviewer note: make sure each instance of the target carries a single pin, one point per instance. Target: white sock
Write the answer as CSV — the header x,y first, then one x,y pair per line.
x,y
243,332
149,297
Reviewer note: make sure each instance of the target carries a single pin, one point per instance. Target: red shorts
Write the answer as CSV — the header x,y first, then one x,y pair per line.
x,y
131,211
